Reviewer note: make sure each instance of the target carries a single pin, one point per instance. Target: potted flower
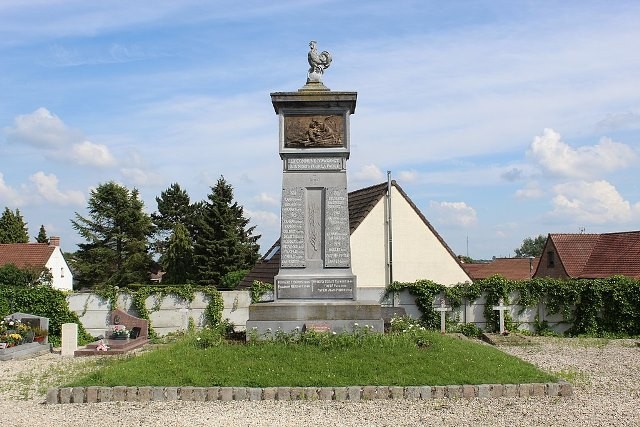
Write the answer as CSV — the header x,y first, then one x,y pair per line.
x,y
119,332
39,334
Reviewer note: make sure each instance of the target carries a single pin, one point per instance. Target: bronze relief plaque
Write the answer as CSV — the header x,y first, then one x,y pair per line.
x,y
317,131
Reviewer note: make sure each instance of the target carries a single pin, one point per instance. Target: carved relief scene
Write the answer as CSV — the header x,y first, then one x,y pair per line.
x,y
313,131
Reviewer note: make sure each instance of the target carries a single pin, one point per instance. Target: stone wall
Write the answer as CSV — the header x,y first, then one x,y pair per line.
x,y
174,312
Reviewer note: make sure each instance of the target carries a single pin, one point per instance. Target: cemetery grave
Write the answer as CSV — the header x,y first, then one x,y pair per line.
x,y
23,335
127,333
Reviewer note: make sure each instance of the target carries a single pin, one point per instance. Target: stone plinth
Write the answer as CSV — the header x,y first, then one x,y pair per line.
x,y
333,316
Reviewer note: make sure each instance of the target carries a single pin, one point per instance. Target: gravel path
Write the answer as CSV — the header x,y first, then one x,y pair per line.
x,y
606,377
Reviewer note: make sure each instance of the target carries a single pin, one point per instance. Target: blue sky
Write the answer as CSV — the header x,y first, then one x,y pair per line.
x,y
500,119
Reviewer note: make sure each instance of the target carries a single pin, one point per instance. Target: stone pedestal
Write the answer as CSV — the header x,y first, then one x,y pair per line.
x,y
315,286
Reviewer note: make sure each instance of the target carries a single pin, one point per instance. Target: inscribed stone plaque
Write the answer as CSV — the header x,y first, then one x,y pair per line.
x,y
292,244
330,287
315,164
314,131
337,253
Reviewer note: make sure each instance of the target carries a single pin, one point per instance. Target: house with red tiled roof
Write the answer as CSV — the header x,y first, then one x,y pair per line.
x,y
591,256
407,250
39,255
509,268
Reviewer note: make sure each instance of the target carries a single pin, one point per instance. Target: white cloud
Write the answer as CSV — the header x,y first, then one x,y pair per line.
x,y
139,177
369,173
627,120
90,154
595,202
47,188
408,176
266,219
266,199
9,196
458,213
41,129
558,158
531,191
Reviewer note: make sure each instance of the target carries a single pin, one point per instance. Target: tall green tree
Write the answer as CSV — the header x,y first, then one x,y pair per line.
x,y
177,261
13,229
174,206
224,242
531,247
42,235
117,232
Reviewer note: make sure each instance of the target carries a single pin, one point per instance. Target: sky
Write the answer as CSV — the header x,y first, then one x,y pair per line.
x,y
501,120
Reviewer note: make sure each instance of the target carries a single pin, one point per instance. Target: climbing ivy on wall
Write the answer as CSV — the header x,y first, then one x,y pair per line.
x,y
140,293
42,301
608,306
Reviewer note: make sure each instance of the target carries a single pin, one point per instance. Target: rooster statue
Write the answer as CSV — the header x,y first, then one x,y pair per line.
x,y
318,62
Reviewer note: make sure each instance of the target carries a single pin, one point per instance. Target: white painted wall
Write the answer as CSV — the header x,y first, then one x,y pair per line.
x,y
172,315
417,252
62,277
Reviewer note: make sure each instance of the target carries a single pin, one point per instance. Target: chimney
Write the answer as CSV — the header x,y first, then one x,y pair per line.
x,y
54,241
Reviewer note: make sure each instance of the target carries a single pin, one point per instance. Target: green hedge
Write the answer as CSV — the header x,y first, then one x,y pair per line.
x,y
42,301
598,307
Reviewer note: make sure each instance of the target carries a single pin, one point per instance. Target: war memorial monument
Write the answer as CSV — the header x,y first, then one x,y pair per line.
x,y
315,288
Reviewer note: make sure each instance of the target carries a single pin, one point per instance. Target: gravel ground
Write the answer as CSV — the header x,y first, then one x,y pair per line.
x,y
606,378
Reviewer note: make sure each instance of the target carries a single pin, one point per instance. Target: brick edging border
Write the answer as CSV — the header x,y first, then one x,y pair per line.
x,y
355,393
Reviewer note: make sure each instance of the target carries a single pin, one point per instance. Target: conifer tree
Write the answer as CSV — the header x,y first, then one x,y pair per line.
x,y
12,227
117,232
174,206
223,242
42,235
177,261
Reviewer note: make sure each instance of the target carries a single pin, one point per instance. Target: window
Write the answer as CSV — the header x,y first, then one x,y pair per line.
x,y
61,271
551,261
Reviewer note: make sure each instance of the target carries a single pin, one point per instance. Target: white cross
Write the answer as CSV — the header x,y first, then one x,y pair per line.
x,y
443,314
501,308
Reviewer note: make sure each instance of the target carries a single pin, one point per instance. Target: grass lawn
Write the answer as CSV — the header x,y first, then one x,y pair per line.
x,y
370,359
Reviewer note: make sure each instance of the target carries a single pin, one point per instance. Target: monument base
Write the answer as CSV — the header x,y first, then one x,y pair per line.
x,y
265,319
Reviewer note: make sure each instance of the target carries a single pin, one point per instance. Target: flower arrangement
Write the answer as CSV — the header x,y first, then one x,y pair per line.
x,y
119,332
14,332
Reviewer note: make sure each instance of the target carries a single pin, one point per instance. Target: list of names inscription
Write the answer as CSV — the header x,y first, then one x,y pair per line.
x,y
337,252
292,242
